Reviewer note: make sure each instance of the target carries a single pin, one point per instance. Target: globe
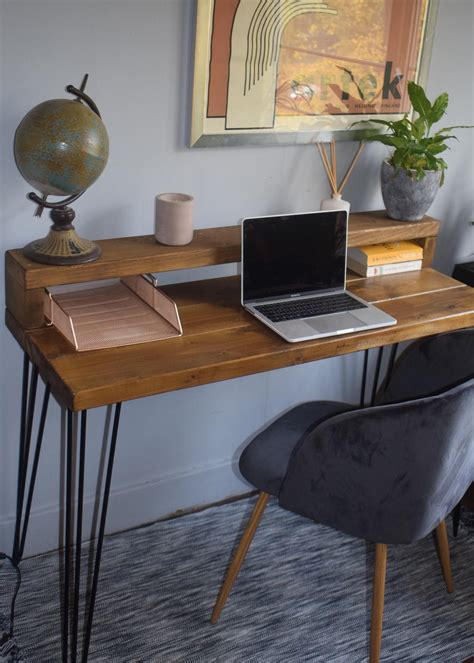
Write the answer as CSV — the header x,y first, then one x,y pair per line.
x,y
61,147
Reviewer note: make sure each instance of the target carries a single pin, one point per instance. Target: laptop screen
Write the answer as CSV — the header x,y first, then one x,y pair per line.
x,y
296,253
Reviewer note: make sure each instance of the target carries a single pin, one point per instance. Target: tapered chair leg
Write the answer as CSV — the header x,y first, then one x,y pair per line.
x,y
444,558
378,602
239,556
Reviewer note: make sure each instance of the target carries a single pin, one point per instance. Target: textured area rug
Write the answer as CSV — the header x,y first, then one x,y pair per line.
x,y
9,650
303,594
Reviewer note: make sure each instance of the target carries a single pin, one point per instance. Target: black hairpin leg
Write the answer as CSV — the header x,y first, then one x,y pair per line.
x,y
70,451
80,507
391,362
28,401
456,518
72,553
375,380
364,378
375,383
34,469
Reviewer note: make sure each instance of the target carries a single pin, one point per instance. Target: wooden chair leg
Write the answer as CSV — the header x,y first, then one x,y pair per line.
x,y
444,558
378,602
239,556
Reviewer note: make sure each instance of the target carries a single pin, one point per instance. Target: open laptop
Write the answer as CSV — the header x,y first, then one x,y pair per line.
x,y
294,276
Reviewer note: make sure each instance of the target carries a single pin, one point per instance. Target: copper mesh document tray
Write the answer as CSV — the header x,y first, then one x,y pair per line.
x,y
110,314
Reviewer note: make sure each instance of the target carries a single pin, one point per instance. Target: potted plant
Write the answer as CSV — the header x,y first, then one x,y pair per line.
x,y
412,175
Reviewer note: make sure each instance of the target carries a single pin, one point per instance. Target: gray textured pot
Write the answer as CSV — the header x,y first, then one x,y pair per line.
x,y
405,198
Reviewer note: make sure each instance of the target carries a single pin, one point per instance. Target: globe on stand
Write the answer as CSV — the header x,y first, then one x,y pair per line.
x,y
61,148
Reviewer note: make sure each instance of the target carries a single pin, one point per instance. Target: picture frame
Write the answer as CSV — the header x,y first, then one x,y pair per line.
x,y
300,71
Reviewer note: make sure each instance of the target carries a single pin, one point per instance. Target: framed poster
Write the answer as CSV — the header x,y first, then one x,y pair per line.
x,y
293,71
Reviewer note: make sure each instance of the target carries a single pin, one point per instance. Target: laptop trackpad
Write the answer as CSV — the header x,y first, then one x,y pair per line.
x,y
333,323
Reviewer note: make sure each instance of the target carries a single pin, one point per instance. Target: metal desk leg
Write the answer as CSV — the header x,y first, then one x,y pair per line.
x,y
391,362
364,378
456,518
375,383
26,427
72,554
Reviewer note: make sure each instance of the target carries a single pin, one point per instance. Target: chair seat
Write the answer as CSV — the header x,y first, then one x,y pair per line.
x,y
265,459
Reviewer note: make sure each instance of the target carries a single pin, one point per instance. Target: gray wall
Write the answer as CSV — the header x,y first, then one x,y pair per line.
x,y
179,449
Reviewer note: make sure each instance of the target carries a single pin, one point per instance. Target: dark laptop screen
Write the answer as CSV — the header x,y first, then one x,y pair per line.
x,y
297,253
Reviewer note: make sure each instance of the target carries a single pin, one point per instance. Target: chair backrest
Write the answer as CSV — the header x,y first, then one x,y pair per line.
x,y
430,365
388,473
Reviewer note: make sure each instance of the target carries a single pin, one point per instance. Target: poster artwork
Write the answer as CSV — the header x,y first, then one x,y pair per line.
x,y
292,66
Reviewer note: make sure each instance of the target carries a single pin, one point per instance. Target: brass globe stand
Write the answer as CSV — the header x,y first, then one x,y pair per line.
x,y
62,245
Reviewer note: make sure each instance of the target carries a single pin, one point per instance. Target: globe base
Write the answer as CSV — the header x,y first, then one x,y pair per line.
x,y
62,245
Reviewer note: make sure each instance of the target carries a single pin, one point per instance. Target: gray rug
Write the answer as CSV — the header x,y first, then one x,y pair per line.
x,y
302,595
10,652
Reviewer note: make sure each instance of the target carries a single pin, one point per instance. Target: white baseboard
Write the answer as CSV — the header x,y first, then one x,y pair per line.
x,y
134,505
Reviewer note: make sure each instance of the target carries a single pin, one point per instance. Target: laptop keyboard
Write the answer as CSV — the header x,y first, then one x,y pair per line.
x,y
295,309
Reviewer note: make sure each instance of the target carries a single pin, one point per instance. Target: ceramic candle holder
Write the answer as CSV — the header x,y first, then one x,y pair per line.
x,y
174,218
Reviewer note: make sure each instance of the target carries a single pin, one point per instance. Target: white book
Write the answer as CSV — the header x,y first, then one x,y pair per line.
x,y
379,270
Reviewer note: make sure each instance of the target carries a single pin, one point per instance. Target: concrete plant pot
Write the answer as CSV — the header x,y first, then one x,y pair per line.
x,y
174,218
406,198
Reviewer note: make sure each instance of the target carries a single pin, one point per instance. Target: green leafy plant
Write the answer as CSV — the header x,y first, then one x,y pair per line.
x,y
416,148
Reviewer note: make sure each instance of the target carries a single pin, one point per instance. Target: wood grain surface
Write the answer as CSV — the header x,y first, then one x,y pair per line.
x,y
127,256
222,341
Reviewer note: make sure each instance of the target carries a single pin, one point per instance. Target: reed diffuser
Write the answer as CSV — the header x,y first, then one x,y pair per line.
x,y
330,167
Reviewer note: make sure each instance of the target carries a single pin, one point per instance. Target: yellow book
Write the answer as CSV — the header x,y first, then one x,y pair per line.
x,y
384,254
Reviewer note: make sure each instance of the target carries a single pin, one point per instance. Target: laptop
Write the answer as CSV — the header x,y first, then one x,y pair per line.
x,y
294,276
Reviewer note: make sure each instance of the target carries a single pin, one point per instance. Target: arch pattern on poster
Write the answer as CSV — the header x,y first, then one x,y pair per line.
x,y
253,68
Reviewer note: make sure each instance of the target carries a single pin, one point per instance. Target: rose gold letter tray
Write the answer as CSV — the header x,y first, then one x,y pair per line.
x,y
109,314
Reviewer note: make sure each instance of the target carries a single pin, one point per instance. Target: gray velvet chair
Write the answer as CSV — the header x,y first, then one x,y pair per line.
x,y
427,366
430,365
388,474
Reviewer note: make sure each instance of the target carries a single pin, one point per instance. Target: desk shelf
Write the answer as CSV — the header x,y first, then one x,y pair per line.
x,y
127,256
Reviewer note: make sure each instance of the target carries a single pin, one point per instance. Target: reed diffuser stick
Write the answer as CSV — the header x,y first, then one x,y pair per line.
x,y
330,166
333,162
327,167
351,167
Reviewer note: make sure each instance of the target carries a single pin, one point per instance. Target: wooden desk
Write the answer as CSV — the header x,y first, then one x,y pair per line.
x,y
220,341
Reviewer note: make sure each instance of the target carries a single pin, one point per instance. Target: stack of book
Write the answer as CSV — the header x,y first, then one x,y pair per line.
x,y
388,258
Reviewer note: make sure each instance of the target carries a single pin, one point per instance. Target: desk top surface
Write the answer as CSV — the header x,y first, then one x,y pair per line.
x,y
222,341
